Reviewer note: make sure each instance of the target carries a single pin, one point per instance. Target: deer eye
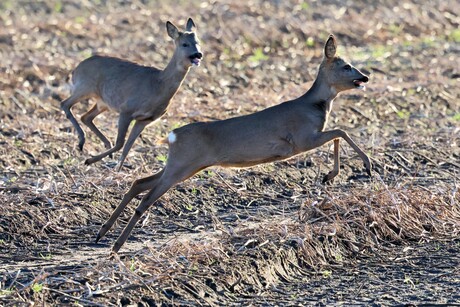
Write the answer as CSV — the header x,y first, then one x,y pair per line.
x,y
347,67
185,45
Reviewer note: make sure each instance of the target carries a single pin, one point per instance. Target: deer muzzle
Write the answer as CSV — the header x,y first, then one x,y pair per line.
x,y
359,82
196,58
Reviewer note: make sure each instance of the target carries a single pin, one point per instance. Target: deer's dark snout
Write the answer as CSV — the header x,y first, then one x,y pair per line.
x,y
197,55
365,75
196,58
359,81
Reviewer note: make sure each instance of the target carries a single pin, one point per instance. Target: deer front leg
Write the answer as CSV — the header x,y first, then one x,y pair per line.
x,y
336,170
134,134
328,136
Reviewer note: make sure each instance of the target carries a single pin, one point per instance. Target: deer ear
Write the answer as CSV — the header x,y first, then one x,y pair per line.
x,y
173,32
190,27
331,47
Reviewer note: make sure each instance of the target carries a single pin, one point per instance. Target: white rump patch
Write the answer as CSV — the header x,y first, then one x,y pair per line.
x,y
171,137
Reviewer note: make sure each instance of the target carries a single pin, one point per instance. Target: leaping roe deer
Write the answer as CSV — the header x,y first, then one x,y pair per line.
x,y
136,92
276,133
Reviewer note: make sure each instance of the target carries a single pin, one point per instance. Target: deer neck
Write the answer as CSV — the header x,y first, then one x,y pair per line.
x,y
172,76
321,94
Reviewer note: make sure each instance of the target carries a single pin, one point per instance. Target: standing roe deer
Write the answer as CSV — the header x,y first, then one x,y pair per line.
x,y
137,92
276,133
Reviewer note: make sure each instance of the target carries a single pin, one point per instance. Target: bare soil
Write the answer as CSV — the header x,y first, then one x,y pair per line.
x,y
267,235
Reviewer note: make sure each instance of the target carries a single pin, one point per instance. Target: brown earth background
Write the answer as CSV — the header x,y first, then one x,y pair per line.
x,y
267,235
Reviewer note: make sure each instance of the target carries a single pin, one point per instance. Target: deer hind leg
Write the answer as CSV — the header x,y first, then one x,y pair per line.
x,y
327,136
336,170
137,187
172,175
146,202
123,125
66,105
88,118
134,134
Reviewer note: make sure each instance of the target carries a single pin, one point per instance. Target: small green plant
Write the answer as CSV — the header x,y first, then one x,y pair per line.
x,y
305,6
37,287
326,273
176,125
212,262
206,174
162,158
381,51
269,168
12,179
455,35
395,29
338,257
258,56
310,42
7,5
58,7
410,92
85,53
428,41
192,270
69,161
362,55
456,117
6,292
80,19
408,280
132,266
189,207
403,114
407,43
46,256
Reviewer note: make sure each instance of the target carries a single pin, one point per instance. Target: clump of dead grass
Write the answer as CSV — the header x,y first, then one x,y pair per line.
x,y
334,230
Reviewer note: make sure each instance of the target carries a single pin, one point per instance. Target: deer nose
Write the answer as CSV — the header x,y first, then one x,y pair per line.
x,y
197,55
365,79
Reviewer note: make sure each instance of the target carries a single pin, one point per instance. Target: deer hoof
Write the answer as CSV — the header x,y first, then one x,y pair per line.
x,y
327,179
115,248
89,161
368,171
